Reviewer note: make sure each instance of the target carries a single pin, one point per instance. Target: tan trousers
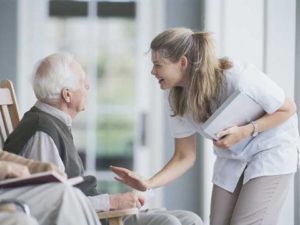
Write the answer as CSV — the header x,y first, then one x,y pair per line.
x,y
258,202
164,217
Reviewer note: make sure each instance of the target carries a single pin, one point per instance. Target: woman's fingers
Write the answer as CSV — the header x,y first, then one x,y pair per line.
x,y
226,132
120,171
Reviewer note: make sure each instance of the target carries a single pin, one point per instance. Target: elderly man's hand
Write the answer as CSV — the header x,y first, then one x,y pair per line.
x,y
32,165
126,200
11,170
37,166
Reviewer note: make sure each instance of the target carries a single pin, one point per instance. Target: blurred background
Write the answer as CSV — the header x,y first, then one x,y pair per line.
x,y
125,123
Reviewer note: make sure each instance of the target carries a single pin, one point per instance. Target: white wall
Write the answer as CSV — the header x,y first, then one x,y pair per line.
x,y
280,63
262,32
148,156
187,14
297,99
8,40
154,16
31,18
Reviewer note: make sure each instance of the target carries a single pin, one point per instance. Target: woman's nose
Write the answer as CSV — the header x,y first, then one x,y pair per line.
x,y
153,71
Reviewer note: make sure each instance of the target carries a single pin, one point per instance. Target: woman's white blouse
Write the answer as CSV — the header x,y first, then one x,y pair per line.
x,y
272,152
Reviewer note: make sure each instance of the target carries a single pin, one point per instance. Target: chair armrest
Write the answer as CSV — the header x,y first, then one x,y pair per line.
x,y
117,213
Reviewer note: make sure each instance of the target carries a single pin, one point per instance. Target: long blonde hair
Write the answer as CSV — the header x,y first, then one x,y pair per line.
x,y
204,71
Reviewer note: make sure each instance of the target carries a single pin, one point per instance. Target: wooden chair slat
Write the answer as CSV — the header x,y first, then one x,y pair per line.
x,y
5,97
3,134
7,120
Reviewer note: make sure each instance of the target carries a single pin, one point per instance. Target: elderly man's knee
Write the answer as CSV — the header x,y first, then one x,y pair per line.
x,y
169,217
193,219
58,189
60,193
152,219
187,217
166,219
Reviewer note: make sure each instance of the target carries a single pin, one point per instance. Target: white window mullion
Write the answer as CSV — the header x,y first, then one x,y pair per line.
x,y
91,119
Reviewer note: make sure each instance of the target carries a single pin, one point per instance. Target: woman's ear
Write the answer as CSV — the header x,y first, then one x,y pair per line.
x,y
183,62
66,95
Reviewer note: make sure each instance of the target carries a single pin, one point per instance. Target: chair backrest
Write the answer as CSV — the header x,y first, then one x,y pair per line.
x,y
9,113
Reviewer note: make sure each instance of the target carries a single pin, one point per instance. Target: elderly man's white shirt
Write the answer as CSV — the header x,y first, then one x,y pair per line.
x,y
272,152
38,148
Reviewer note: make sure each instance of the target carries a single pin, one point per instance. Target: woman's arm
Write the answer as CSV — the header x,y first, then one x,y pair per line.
x,y
183,158
268,121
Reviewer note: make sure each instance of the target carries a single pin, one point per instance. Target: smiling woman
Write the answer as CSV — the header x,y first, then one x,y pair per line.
x,y
185,62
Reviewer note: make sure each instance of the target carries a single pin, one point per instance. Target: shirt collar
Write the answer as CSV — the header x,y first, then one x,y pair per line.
x,y
64,117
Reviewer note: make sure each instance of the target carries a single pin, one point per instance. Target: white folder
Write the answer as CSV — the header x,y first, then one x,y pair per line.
x,y
239,109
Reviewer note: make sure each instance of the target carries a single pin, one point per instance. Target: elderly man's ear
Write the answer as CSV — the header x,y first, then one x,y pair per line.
x,y
66,95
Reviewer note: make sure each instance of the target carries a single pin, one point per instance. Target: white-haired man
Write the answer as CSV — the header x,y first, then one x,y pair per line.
x,y
44,133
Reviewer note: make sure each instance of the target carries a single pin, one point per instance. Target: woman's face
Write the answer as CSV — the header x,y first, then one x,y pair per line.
x,y
168,73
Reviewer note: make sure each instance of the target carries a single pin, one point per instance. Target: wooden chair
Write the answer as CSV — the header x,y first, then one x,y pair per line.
x,y
9,119
9,113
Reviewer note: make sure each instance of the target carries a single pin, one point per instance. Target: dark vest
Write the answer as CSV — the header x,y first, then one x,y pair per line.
x,y
36,120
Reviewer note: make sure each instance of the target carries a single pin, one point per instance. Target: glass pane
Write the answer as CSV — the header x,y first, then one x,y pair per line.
x,y
115,135
115,61
115,93
115,141
112,187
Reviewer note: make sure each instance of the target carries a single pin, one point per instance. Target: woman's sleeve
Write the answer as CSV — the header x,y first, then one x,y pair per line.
x,y
262,89
100,202
180,126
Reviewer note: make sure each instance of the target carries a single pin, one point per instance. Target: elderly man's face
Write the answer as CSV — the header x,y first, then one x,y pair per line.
x,y
79,95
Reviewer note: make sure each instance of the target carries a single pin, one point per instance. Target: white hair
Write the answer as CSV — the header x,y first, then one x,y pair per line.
x,y
52,74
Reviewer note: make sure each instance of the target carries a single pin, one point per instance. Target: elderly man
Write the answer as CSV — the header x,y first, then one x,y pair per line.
x,y
44,133
48,203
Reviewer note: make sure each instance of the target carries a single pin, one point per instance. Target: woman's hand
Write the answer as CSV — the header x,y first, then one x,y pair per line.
x,y
129,178
232,135
235,134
